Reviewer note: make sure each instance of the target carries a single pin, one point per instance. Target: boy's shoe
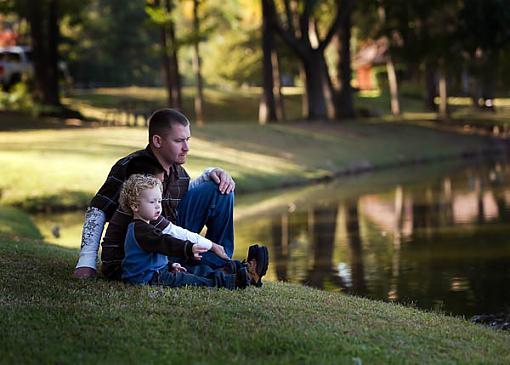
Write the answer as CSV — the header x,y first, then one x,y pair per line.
x,y
232,266
242,278
257,263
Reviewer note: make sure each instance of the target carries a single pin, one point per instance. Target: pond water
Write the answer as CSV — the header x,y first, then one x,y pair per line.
x,y
436,237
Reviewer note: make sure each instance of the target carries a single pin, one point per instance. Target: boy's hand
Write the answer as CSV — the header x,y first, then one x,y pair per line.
x,y
197,251
176,267
220,251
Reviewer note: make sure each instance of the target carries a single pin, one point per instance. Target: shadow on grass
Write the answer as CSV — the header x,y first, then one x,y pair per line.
x,y
63,201
11,121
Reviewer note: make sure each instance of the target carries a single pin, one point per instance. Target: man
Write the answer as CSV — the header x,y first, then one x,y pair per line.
x,y
207,201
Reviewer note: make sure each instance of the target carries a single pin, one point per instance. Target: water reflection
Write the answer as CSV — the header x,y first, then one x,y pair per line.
x,y
436,237
440,243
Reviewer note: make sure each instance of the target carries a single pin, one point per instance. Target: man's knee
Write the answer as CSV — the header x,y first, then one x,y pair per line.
x,y
210,188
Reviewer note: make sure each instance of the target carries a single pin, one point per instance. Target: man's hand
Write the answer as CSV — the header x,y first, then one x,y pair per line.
x,y
225,182
220,251
84,273
176,267
197,251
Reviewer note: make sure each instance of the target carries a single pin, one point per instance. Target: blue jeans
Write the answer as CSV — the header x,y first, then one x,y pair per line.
x,y
202,206
204,276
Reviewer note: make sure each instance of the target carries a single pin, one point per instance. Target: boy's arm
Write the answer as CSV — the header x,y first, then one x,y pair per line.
x,y
151,239
91,235
185,235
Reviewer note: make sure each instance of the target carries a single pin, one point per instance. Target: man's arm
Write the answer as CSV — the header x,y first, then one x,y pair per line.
x,y
225,182
91,235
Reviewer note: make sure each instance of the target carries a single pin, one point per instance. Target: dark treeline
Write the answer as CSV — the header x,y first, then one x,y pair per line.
x,y
445,47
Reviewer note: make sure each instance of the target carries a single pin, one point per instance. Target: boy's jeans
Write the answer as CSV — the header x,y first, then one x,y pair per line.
x,y
205,277
202,206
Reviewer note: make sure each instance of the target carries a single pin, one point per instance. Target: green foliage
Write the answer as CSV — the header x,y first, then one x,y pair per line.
x,y
236,59
113,44
18,98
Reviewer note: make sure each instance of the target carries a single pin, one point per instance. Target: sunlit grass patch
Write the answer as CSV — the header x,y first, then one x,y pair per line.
x,y
46,169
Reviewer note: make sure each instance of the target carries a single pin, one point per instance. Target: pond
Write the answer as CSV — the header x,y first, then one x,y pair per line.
x,y
435,236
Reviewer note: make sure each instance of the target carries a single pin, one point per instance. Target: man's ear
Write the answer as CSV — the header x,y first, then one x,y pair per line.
x,y
134,208
156,140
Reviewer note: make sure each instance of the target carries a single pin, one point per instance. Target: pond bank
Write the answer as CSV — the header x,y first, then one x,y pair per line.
x,y
67,166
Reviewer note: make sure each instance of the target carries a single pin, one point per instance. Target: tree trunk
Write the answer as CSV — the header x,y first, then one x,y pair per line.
x,y
318,87
277,89
393,84
44,33
489,79
443,95
390,68
344,107
197,66
165,63
52,93
267,107
174,63
304,95
315,85
169,60
430,86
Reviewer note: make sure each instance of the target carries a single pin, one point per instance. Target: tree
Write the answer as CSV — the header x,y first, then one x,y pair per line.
x,y
270,109
43,18
301,33
390,70
161,12
344,105
485,30
197,66
425,32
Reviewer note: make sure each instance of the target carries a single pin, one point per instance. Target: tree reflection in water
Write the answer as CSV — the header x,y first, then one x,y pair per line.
x,y
321,230
440,244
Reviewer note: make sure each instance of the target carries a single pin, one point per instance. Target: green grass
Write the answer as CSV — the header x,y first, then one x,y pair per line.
x,y
48,169
48,317
14,222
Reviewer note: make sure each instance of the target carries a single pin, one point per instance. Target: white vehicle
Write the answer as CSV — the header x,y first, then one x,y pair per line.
x,y
15,61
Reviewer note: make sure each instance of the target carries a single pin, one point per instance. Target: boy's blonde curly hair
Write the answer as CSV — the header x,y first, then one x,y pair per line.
x,y
133,187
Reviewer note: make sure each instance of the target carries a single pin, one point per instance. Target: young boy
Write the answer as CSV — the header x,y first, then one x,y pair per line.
x,y
147,248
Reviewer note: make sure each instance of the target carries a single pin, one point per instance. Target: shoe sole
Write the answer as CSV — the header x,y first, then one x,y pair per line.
x,y
261,254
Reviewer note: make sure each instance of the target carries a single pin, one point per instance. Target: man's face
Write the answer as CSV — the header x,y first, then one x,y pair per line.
x,y
149,205
174,145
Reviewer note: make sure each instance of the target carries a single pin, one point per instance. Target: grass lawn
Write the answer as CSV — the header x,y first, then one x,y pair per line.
x,y
48,317
67,165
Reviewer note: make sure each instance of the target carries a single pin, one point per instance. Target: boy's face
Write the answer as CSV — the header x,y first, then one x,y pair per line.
x,y
149,205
